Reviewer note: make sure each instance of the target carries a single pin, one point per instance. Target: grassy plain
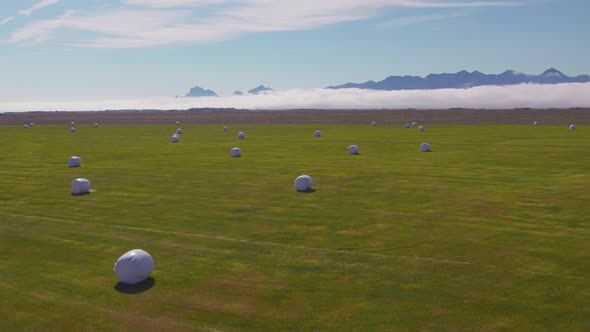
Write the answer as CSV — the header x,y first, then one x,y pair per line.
x,y
490,231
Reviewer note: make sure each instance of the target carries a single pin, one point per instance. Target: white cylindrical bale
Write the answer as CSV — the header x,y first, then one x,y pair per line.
x,y
236,152
317,133
177,123
353,149
373,123
224,128
414,124
25,126
72,123
134,266
407,125
174,138
572,127
95,124
425,147
179,131
303,183
74,161
31,124
241,135
536,123
421,128
80,186
72,130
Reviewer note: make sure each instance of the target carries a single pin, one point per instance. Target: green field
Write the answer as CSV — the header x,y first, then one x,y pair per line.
x,y
490,231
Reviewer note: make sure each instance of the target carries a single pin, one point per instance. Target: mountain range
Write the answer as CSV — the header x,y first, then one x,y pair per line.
x,y
464,79
200,92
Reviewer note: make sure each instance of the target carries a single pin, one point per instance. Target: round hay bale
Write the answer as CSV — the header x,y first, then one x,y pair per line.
x,y
174,138
414,124
572,127
236,152
425,147
74,161
421,128
373,123
96,125
25,126
177,123
317,133
407,125
303,183
536,123
353,149
224,128
72,123
72,130
80,186
179,131
134,266
241,135
31,124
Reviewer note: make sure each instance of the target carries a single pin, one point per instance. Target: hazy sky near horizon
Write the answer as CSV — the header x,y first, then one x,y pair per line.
x,y
88,50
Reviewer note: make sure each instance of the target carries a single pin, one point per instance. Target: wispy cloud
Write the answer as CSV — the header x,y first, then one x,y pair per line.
x,y
525,95
417,19
39,5
6,20
142,23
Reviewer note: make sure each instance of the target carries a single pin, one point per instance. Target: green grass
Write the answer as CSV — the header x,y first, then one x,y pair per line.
x,y
490,231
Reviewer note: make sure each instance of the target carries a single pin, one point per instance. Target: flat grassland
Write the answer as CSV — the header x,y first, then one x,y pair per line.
x,y
489,231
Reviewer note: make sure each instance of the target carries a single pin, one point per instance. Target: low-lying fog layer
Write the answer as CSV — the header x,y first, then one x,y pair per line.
x,y
515,96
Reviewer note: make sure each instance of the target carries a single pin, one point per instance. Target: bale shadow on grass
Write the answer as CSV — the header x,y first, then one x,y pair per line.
x,y
82,194
309,191
135,288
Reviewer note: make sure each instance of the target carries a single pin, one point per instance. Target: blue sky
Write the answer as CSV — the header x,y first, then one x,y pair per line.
x,y
85,50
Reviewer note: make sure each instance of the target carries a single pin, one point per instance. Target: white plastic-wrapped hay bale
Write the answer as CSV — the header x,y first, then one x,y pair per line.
x,y
72,123
536,123
414,124
25,126
174,138
236,152
303,183
353,149
31,124
177,123
241,135
421,128
178,131
134,266
373,123
224,128
96,125
407,125
80,186
572,127
74,161
425,147
317,133
72,130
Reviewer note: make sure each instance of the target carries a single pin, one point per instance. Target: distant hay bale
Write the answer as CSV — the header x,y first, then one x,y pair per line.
x,y
80,186
177,123
407,125
414,124
421,128
572,127
241,135
236,152
72,123
536,123
353,149
317,133
179,131
224,128
74,161
95,124
31,124
174,138
72,130
134,266
25,126
373,123
425,147
303,183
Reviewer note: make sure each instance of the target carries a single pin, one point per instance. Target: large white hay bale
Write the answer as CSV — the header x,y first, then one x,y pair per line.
x,y
236,152
72,123
174,138
421,128
74,161
303,183
134,266
425,147
353,149
80,186
25,126
536,123
224,128
95,124
407,125
572,127
177,123
72,130
317,133
373,123
179,131
31,124
414,124
241,135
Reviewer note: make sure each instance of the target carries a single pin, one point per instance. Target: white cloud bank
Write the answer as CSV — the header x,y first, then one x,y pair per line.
x,y
524,95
